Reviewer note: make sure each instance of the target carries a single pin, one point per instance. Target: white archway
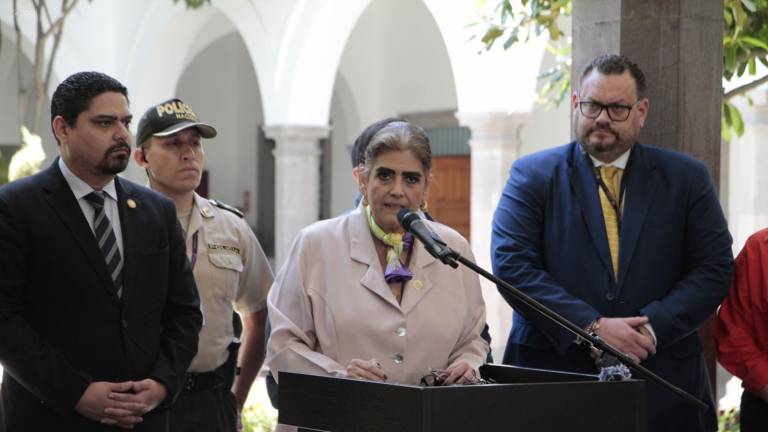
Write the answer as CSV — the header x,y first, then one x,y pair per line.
x,y
385,71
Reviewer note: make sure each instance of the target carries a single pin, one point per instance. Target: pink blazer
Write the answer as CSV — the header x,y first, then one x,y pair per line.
x,y
330,304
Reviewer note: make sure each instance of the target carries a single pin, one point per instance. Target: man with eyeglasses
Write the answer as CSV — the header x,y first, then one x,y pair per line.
x,y
624,239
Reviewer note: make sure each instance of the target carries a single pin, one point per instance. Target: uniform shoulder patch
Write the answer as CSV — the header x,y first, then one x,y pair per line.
x,y
227,207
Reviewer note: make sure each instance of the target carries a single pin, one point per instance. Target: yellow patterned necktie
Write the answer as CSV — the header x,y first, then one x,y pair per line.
x,y
610,216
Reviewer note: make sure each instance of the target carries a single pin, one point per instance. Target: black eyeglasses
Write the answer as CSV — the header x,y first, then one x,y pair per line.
x,y
437,378
616,112
433,378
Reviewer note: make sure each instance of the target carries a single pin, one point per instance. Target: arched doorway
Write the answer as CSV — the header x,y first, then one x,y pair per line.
x,y
219,82
385,71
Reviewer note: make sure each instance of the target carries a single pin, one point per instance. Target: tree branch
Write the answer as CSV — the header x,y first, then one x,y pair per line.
x,y
745,88
47,12
23,95
49,69
65,10
56,40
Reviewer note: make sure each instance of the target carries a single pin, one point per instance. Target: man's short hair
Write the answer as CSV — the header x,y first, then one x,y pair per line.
x,y
614,64
74,94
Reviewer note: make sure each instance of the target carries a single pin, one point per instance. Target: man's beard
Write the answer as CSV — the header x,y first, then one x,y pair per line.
x,y
115,165
596,149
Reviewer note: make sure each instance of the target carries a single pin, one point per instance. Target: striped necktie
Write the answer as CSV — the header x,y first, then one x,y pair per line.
x,y
610,215
105,235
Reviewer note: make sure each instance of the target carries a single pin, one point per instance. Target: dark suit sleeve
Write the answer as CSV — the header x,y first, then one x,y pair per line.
x,y
35,364
182,318
518,254
708,265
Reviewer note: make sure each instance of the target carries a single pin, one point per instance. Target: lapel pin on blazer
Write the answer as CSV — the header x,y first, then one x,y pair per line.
x,y
131,203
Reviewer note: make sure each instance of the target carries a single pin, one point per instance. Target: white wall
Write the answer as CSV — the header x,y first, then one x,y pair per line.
x,y
220,85
346,126
547,128
394,62
747,196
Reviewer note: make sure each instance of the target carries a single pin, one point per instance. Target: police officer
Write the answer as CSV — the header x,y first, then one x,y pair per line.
x,y
230,268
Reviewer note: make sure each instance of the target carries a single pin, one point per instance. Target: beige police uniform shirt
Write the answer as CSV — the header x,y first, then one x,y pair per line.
x,y
231,271
330,304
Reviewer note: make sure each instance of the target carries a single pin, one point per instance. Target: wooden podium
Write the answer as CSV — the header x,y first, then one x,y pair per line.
x,y
522,399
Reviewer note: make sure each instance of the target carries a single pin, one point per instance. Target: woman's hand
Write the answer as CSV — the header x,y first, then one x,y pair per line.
x,y
366,369
460,373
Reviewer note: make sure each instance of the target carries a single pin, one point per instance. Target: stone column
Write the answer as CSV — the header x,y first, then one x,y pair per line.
x,y
679,46
494,144
297,181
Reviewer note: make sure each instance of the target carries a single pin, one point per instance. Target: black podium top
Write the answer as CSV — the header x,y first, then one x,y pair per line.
x,y
522,399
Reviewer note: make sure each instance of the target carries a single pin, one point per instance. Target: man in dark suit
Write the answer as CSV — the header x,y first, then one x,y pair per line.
x,y
626,240
95,333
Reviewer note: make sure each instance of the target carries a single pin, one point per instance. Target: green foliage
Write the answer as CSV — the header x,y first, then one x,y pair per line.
x,y
731,120
3,170
557,79
193,4
258,418
513,23
745,43
728,421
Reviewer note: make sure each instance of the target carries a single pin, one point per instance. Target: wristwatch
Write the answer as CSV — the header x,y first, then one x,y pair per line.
x,y
593,326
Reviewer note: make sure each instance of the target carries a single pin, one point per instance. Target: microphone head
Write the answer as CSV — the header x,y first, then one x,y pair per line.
x,y
405,217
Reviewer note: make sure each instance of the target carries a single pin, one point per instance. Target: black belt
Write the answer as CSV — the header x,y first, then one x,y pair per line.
x,y
194,381
221,377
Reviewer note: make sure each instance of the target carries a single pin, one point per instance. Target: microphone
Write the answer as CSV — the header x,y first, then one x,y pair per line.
x,y
414,224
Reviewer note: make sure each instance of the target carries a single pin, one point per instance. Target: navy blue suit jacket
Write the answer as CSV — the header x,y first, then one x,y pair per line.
x,y
61,323
675,263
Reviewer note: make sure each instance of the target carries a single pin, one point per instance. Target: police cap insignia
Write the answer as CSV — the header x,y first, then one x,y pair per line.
x,y
168,118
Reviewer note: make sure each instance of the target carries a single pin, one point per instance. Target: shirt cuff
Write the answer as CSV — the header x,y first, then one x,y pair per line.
x,y
649,327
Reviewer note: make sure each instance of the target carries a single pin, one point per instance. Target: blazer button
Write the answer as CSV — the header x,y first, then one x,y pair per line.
x,y
400,331
125,324
609,297
398,358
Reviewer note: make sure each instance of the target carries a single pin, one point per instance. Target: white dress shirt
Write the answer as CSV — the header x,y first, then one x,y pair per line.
x,y
80,189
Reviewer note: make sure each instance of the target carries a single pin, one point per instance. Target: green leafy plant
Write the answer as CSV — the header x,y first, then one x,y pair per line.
x,y
516,22
3,170
745,44
259,418
193,4
728,420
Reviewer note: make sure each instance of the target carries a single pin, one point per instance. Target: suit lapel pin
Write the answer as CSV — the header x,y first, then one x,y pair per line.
x,y
206,211
131,203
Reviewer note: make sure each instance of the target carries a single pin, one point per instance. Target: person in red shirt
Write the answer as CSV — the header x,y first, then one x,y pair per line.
x,y
741,331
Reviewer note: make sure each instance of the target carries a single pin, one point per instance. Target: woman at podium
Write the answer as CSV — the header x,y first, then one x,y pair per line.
x,y
357,297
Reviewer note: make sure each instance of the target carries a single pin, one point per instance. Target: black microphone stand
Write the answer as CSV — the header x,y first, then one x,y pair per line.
x,y
450,257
